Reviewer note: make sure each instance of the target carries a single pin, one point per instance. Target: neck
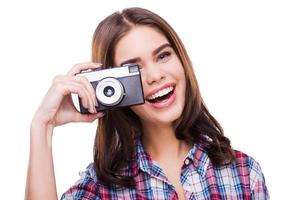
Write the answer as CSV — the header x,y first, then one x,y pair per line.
x,y
161,143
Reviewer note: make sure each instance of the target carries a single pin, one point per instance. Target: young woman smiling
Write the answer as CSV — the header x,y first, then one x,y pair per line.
x,y
171,147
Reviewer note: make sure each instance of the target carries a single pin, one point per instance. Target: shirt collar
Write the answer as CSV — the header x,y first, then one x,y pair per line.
x,y
142,157
143,161
199,158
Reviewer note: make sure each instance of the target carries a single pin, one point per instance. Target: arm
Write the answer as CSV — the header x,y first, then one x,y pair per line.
x,y
260,191
56,109
258,186
41,179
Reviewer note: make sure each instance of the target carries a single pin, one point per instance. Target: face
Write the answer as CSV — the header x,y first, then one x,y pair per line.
x,y
162,74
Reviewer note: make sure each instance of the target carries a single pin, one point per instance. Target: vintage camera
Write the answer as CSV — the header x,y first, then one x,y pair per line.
x,y
115,87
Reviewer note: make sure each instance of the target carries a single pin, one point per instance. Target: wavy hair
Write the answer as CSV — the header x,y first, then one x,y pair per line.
x,y
117,130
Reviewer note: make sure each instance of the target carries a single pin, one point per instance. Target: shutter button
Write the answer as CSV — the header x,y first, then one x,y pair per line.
x,y
187,161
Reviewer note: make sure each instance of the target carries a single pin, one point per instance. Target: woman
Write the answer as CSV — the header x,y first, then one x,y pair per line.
x,y
171,147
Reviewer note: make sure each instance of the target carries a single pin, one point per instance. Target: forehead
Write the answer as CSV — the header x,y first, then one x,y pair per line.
x,y
140,41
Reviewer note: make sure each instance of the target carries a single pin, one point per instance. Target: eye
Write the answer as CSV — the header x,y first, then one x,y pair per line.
x,y
164,55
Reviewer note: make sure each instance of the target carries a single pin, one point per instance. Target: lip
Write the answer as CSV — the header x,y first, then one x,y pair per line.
x,y
160,88
164,104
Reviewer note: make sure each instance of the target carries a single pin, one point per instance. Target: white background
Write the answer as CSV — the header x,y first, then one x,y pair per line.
x,y
246,55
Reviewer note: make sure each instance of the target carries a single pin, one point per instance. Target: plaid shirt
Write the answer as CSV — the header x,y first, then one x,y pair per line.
x,y
200,180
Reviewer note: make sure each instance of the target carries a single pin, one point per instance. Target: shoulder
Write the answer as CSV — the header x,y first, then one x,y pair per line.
x,y
251,173
244,176
87,187
245,161
247,166
244,169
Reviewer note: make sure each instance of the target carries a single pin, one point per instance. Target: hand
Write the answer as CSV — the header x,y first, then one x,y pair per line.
x,y
57,107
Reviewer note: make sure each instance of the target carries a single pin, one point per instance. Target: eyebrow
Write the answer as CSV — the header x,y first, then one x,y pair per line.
x,y
138,59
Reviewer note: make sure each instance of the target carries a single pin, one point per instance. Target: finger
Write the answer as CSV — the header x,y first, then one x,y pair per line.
x,y
84,81
88,117
91,106
88,100
60,84
83,66
68,87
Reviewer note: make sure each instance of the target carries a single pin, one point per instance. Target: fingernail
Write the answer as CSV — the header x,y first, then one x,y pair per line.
x,y
92,110
101,114
98,65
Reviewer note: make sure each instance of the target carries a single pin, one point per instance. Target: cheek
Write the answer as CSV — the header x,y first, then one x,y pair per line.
x,y
138,110
142,111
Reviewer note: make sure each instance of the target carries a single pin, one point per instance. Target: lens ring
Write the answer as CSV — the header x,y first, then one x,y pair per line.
x,y
116,97
108,91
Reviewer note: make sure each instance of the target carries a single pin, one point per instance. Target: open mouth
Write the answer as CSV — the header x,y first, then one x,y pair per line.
x,y
162,95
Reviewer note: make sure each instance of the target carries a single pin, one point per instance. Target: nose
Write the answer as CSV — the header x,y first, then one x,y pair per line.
x,y
154,74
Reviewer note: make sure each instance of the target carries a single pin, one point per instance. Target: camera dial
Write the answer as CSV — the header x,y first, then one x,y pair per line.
x,y
109,91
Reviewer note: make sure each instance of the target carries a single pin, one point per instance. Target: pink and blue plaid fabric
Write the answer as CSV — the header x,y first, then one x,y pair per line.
x,y
200,180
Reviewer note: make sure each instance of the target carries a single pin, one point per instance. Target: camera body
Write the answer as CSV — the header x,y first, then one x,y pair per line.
x,y
115,87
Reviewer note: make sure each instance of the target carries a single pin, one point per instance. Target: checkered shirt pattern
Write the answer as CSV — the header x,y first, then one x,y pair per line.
x,y
199,178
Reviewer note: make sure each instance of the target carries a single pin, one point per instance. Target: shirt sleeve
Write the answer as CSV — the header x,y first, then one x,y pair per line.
x,y
84,189
258,186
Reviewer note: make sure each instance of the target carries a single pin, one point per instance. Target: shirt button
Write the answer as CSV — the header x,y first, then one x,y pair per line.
x,y
187,161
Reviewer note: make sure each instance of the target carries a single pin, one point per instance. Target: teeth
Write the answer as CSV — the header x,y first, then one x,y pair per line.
x,y
161,93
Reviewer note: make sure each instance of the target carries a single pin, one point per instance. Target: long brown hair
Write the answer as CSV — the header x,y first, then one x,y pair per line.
x,y
118,129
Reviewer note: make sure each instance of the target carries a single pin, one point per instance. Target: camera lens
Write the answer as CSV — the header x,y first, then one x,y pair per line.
x,y
109,91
